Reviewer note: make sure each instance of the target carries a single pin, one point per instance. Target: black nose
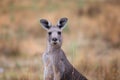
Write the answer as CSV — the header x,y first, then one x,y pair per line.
x,y
54,39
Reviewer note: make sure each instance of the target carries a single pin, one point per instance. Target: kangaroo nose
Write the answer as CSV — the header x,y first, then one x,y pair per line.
x,y
54,39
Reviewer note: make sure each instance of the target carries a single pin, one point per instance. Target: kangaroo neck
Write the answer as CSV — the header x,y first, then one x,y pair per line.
x,y
53,49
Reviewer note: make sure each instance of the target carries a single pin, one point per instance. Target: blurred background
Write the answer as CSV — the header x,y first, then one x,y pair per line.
x,y
91,38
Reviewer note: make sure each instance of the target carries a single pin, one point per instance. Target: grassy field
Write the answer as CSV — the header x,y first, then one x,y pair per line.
x,y
91,38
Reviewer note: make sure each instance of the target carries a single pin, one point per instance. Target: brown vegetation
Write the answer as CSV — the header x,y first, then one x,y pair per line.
x,y
91,39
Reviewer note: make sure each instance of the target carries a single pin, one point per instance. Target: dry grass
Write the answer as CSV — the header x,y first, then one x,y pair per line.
x,y
91,39
104,67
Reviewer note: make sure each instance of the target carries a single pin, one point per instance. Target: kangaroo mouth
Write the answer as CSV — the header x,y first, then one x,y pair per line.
x,y
54,43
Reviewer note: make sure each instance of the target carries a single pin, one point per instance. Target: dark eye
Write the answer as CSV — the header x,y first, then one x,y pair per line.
x,y
49,33
59,33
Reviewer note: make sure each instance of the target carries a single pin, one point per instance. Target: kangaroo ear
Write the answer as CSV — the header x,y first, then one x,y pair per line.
x,y
45,24
61,23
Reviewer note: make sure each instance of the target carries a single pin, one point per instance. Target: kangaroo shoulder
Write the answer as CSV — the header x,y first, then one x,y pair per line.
x,y
44,57
63,54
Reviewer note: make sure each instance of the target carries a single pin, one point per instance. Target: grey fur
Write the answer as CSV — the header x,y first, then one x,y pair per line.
x,y
56,65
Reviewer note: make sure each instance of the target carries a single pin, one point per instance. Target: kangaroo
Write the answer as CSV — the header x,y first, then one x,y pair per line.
x,y
56,64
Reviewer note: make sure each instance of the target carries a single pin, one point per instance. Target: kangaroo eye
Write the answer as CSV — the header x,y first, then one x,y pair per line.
x,y
59,33
49,33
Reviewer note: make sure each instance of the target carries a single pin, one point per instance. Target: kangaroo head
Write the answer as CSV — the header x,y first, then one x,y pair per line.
x,y
54,32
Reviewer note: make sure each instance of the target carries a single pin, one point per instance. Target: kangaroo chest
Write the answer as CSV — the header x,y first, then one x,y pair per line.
x,y
53,59
50,59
